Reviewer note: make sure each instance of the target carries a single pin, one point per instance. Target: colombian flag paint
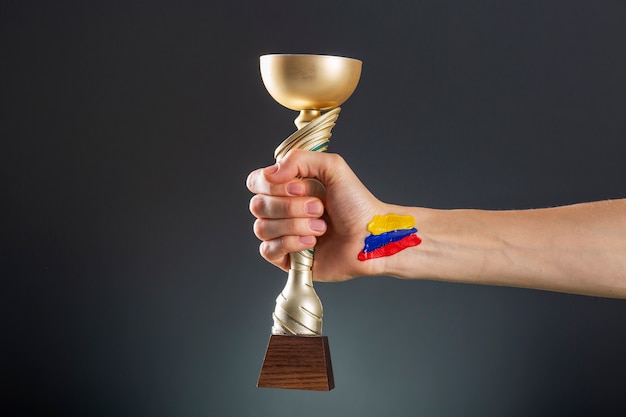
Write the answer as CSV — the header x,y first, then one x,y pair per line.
x,y
389,235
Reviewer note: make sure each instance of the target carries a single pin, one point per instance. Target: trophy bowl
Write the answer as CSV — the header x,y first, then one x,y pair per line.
x,y
310,82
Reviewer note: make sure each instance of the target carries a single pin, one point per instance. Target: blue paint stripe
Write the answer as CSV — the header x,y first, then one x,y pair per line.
x,y
373,242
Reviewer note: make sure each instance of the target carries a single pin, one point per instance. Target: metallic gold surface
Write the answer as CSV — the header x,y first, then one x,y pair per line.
x,y
309,84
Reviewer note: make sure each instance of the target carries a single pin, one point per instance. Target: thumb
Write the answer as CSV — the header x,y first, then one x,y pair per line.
x,y
328,168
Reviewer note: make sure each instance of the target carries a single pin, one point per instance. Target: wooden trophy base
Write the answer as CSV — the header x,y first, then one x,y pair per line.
x,y
297,362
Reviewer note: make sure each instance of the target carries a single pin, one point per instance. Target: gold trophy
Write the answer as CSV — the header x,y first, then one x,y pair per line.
x,y
297,355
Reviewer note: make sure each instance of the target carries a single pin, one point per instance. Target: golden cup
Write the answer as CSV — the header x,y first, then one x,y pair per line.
x,y
297,356
310,83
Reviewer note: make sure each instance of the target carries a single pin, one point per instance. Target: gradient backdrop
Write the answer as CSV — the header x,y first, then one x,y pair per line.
x,y
131,283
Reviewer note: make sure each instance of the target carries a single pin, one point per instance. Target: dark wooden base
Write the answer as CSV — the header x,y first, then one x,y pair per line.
x,y
297,362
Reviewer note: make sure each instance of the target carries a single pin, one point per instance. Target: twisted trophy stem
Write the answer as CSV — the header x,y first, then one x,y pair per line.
x,y
298,308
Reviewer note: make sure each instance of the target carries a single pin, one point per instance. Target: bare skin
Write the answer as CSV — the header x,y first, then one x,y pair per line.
x,y
578,249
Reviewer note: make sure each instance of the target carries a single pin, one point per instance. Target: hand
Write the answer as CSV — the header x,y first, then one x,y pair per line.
x,y
328,209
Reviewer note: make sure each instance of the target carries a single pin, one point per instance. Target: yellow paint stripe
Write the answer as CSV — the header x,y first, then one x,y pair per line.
x,y
389,222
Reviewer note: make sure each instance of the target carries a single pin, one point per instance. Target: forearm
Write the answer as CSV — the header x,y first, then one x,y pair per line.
x,y
576,249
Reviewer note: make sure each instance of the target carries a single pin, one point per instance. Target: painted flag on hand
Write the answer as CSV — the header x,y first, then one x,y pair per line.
x,y
390,234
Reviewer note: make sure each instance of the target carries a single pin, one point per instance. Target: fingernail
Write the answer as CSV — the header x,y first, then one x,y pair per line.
x,y
313,207
317,225
307,240
295,188
271,169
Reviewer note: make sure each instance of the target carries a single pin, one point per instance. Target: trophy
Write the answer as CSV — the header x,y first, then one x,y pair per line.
x,y
298,355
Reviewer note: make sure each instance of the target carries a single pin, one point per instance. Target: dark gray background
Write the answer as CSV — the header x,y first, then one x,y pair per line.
x,y
131,280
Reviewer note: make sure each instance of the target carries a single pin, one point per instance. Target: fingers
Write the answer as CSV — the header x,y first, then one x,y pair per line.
x,y
287,216
287,224
272,207
289,201
282,177
326,167
321,165
277,251
272,229
259,183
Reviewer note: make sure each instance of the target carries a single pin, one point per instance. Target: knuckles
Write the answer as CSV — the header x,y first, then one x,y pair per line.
x,y
257,205
257,228
268,250
264,250
251,180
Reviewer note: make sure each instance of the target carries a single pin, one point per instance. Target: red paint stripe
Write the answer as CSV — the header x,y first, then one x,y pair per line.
x,y
391,248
